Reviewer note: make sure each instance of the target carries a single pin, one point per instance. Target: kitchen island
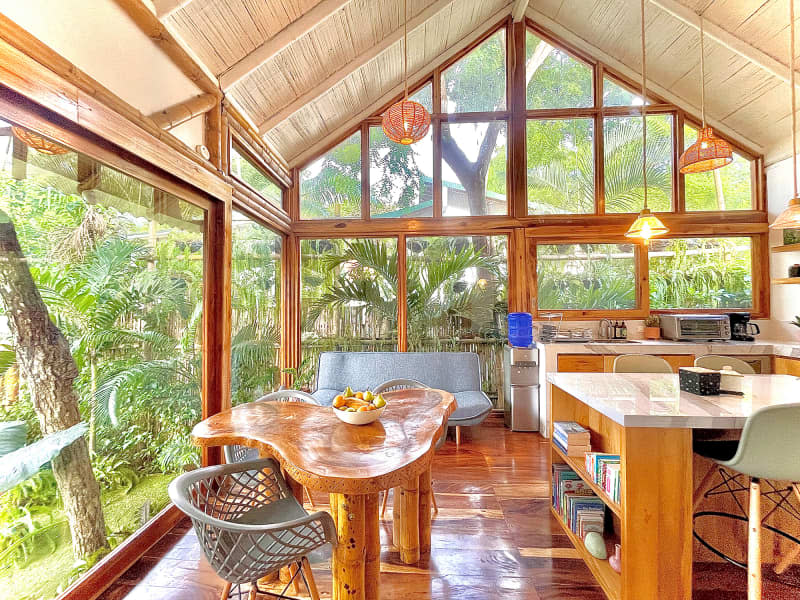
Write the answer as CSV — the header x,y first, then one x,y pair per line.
x,y
650,423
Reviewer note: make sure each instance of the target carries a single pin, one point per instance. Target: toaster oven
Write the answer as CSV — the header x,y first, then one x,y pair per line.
x,y
696,327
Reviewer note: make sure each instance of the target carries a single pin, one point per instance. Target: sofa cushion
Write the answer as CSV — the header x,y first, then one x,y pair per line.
x,y
473,408
325,396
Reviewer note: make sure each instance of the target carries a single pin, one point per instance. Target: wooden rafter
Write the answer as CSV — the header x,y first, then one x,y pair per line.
x,y
425,70
293,31
174,115
165,8
518,10
359,61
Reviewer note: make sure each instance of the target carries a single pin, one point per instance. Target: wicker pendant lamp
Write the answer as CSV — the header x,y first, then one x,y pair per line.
x,y
406,122
790,217
709,152
646,224
37,142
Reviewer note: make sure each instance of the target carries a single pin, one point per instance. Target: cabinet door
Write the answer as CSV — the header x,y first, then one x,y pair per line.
x,y
580,363
787,366
678,360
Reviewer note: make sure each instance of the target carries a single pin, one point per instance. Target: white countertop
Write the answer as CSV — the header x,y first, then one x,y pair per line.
x,y
655,400
759,347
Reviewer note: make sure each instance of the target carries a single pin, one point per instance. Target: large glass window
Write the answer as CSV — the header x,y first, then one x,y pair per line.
x,y
255,299
400,177
701,273
246,170
330,187
349,297
553,78
616,95
477,82
458,299
726,188
474,168
560,166
622,144
119,266
586,276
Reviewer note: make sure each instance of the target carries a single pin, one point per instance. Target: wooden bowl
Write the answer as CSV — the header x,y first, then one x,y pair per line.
x,y
359,418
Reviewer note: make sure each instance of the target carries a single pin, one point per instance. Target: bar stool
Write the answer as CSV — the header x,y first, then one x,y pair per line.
x,y
769,449
641,363
716,362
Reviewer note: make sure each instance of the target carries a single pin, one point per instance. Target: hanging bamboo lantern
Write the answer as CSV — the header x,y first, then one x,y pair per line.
x,y
37,142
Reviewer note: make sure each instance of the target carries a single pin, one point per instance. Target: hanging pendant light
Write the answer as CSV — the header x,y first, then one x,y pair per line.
x,y
709,152
37,142
646,224
406,122
790,217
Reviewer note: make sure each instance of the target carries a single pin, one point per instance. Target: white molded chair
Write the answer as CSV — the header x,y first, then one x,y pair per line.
x,y
641,363
716,362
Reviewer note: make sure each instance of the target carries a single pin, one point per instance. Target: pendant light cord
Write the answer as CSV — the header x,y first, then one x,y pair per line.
x,y
405,45
791,82
644,112
702,72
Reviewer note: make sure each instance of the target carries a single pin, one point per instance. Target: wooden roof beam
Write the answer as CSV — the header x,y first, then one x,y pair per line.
x,y
165,8
293,31
174,115
417,75
518,10
725,38
359,61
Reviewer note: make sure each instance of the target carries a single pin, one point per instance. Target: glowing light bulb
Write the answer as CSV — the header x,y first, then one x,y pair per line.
x,y
704,145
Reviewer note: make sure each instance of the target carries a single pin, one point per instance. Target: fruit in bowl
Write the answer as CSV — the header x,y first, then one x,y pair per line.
x,y
358,408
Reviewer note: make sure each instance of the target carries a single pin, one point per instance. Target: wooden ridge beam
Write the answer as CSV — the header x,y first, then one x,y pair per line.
x,y
174,115
518,10
293,31
149,24
423,71
359,61
165,8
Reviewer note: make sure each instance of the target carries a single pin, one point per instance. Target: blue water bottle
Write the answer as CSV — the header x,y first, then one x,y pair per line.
x,y
520,329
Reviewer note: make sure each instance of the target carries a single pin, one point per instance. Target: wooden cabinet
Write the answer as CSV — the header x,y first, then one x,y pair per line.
x,y
580,363
678,360
786,366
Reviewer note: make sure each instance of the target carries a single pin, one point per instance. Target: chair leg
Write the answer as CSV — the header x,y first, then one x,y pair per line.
x,y
385,501
754,542
433,501
793,554
253,595
226,591
458,435
310,583
310,498
702,487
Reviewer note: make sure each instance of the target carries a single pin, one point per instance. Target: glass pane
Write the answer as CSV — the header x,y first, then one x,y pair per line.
x,y
554,78
401,177
424,96
623,163
616,95
349,297
727,188
474,169
586,276
119,266
330,187
560,166
477,82
701,273
458,300
244,169
256,303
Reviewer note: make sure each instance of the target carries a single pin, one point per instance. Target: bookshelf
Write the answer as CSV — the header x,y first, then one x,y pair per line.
x,y
576,466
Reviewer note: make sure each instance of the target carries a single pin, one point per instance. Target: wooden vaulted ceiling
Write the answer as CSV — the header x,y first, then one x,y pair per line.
x,y
304,71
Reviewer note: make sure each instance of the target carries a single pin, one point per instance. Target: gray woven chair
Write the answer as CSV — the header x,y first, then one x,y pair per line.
x,y
238,454
404,384
249,525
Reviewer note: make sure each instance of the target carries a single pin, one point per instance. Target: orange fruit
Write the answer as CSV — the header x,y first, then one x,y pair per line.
x,y
360,395
363,409
338,402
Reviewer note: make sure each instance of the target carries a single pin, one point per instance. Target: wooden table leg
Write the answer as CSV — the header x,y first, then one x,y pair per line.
x,y
347,564
396,510
372,561
425,500
409,521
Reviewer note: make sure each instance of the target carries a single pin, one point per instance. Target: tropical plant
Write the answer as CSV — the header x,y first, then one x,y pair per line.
x,y
652,321
796,321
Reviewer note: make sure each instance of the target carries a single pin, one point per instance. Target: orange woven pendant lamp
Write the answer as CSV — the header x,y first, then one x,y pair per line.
x,y
646,224
709,152
406,122
37,142
790,217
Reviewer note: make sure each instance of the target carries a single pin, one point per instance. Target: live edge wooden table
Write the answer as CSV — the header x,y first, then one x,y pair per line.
x,y
650,423
353,464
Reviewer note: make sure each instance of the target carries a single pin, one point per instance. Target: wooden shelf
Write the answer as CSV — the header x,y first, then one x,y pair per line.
x,y
607,577
581,471
787,281
786,248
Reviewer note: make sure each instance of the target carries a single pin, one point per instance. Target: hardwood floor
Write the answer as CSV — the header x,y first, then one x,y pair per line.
x,y
493,538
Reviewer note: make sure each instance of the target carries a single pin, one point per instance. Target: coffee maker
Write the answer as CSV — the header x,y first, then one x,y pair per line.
x,y
742,330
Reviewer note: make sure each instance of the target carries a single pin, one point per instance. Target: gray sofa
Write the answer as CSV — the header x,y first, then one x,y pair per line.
x,y
456,372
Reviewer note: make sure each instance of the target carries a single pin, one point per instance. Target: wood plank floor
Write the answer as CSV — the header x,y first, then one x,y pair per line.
x,y
493,538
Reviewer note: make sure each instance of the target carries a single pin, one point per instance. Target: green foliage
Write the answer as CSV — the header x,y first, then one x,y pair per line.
x,y
652,321
796,321
111,472
477,82
331,186
555,79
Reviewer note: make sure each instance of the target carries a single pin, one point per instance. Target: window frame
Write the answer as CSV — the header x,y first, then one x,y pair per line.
x,y
237,145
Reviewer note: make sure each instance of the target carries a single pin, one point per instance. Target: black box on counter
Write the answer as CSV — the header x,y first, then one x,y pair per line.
x,y
700,381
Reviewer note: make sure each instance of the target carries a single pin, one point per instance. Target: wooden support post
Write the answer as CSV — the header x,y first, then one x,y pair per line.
x,y
347,568
372,560
409,521
425,501
754,542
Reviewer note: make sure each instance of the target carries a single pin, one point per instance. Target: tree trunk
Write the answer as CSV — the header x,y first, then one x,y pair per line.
x,y
720,193
50,371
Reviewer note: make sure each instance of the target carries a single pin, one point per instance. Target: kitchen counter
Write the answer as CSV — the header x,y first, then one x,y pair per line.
x,y
757,348
655,400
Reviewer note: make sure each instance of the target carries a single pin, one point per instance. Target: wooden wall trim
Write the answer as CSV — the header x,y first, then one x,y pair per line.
x,y
268,158
247,200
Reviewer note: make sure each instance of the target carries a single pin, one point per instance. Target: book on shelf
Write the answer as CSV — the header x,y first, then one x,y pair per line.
x,y
604,470
575,502
572,439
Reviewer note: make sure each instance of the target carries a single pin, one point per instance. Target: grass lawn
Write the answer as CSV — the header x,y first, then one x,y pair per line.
x,y
48,571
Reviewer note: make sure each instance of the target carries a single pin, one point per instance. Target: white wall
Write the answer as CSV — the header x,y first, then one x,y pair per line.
x,y
785,299
101,40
